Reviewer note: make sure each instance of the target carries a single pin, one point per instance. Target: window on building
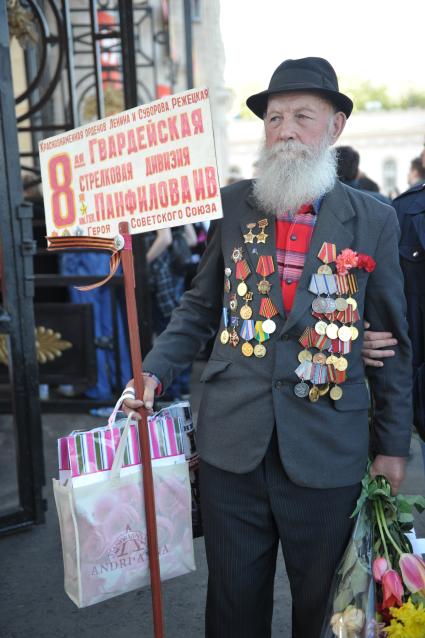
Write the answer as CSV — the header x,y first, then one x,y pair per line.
x,y
389,175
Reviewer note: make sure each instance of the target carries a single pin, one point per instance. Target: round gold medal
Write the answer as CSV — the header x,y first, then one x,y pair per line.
x,y
319,357
247,349
344,333
341,303
246,312
242,289
352,302
332,331
260,351
331,360
320,327
354,333
304,355
314,394
341,364
224,337
324,270
335,393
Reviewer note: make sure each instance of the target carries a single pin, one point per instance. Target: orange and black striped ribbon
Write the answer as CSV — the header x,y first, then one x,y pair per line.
x,y
89,243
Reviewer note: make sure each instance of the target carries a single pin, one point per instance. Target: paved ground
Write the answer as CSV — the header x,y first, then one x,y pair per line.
x,y
32,600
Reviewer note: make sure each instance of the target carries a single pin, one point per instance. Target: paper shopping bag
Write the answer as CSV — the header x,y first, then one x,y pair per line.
x,y
103,529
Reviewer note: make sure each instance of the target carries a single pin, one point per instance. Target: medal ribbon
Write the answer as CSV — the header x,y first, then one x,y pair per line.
x,y
352,284
225,317
89,243
265,266
340,376
327,253
343,347
319,374
242,270
260,335
247,330
341,284
267,308
331,372
304,370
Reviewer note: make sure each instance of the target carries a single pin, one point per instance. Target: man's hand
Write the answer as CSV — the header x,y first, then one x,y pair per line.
x,y
131,405
372,344
392,467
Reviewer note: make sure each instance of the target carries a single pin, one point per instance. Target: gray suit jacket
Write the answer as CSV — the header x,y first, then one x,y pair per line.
x,y
323,444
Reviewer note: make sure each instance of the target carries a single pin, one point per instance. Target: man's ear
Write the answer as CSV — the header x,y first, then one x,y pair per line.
x,y
339,120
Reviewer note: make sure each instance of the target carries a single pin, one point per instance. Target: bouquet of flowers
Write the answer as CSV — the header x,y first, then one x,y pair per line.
x,y
379,586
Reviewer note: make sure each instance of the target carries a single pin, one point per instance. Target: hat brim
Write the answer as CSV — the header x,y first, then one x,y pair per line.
x,y
258,103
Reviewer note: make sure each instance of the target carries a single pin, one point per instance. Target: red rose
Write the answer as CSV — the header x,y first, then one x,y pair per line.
x,y
366,262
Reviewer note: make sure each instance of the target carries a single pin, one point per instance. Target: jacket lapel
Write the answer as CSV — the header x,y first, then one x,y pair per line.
x,y
331,227
253,251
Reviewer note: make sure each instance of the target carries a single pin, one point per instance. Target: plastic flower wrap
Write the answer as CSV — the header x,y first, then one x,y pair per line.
x,y
351,607
379,586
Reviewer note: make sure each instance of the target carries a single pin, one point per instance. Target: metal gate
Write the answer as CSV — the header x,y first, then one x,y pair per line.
x,y
72,61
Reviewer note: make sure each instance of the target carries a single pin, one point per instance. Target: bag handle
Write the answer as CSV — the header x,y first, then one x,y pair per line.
x,y
119,454
115,411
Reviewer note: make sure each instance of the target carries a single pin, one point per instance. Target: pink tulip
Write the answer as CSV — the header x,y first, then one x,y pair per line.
x,y
413,571
392,588
379,567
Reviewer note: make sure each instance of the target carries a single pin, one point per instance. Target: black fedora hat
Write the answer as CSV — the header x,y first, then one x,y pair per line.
x,y
305,74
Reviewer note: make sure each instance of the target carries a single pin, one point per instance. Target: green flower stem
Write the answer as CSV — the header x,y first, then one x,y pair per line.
x,y
387,531
381,533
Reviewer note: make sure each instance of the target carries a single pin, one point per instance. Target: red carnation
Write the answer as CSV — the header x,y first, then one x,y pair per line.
x,y
366,262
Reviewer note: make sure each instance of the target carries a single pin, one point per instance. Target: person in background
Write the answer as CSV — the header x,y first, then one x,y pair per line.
x,y
348,173
416,174
410,208
278,464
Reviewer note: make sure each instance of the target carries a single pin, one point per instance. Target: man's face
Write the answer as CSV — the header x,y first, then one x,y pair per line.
x,y
303,117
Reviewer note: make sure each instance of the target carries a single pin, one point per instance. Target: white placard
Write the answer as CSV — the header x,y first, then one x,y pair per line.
x,y
152,166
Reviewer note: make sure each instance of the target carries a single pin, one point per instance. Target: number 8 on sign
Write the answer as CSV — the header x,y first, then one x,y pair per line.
x,y
63,198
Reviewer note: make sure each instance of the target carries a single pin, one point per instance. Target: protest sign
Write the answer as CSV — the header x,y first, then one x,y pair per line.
x,y
152,166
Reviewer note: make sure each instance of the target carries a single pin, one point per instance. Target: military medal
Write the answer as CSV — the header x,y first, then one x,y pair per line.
x,y
246,311
268,310
261,237
227,285
242,272
305,340
237,254
301,389
225,336
249,237
247,333
320,327
335,393
227,271
260,335
354,333
332,330
234,337
327,254
265,267
314,394
319,357
233,303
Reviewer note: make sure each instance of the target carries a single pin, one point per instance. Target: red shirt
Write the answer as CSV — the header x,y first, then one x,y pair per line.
x,y
293,237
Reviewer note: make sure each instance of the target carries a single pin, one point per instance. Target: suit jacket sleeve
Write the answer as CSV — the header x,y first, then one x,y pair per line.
x,y
195,321
385,309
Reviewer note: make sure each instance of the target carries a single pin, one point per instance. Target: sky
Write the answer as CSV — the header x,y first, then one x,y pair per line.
x,y
376,40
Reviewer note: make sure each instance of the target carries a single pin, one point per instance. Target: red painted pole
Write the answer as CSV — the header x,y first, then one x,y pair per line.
x,y
136,363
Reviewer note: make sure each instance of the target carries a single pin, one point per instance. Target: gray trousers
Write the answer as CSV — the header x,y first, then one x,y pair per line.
x,y
245,516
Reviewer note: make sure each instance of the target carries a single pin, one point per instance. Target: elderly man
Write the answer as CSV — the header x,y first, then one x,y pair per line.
x,y
287,276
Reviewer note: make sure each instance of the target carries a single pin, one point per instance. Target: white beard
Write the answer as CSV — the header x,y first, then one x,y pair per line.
x,y
291,174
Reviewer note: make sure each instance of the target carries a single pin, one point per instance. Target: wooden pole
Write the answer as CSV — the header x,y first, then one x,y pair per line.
x,y
136,363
